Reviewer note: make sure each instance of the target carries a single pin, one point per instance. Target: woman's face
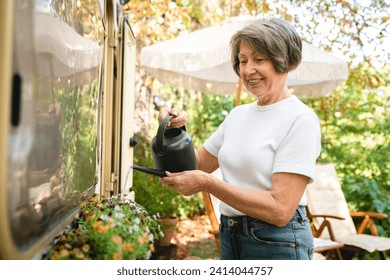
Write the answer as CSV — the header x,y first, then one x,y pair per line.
x,y
260,77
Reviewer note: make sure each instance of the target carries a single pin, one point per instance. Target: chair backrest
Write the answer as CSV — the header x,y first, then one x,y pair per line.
x,y
326,197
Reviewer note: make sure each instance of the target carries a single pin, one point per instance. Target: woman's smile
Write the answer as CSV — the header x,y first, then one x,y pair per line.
x,y
254,81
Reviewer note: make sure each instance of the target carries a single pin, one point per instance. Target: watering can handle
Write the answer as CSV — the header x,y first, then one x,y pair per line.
x,y
160,135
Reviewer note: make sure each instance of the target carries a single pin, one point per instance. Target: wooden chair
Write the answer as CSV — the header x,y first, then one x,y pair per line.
x,y
327,208
214,221
324,245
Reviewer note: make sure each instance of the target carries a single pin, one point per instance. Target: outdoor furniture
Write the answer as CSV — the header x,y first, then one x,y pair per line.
x,y
327,208
326,247
213,217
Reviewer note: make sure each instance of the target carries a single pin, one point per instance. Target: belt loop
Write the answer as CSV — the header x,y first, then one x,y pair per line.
x,y
245,225
301,214
221,224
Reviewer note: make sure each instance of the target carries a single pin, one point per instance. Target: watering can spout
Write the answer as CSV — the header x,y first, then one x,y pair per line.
x,y
151,171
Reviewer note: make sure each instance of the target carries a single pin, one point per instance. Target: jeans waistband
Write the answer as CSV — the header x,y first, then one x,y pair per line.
x,y
231,221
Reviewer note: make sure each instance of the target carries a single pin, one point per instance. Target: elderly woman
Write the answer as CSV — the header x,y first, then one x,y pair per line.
x,y
266,151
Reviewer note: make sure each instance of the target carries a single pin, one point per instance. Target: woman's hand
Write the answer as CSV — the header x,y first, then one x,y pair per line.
x,y
186,182
179,119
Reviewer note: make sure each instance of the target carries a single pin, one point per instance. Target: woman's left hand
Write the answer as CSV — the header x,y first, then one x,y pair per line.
x,y
186,182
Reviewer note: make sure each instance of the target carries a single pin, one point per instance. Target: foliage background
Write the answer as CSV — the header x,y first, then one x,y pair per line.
x,y
354,118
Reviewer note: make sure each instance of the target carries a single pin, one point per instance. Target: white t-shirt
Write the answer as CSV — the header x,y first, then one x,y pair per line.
x,y
253,142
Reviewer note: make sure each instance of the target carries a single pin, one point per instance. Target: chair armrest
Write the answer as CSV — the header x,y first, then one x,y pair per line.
x,y
325,224
369,214
368,221
326,216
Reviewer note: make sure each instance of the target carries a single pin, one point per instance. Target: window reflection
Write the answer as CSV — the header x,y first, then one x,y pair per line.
x,y
52,150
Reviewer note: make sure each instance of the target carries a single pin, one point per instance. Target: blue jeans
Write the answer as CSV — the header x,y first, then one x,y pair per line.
x,y
246,238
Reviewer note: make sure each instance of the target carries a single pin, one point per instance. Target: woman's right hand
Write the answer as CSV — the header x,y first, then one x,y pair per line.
x,y
179,119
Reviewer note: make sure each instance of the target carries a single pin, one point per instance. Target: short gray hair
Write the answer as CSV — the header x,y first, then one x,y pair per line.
x,y
275,38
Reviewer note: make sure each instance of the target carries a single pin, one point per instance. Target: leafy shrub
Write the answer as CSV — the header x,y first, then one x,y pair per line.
x,y
207,115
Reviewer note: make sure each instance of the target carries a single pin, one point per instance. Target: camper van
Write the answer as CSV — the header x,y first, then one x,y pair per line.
x,y
66,104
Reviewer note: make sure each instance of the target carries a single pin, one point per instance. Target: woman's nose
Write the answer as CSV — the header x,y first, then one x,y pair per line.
x,y
249,69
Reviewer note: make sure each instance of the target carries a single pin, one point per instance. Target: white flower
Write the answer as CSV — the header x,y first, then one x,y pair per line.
x,y
104,217
137,221
119,215
136,228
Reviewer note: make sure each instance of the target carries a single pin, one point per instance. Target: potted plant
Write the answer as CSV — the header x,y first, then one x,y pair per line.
x,y
108,228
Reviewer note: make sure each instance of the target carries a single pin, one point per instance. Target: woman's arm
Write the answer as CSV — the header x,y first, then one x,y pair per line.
x,y
276,206
206,161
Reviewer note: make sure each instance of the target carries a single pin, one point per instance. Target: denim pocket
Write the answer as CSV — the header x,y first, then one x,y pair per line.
x,y
271,235
303,233
271,243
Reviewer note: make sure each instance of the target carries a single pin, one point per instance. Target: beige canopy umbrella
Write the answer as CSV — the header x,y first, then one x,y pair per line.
x,y
200,60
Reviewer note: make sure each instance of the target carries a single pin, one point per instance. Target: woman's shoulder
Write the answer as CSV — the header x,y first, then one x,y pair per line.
x,y
301,107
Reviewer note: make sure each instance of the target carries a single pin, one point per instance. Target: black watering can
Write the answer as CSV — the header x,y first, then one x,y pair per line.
x,y
172,151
